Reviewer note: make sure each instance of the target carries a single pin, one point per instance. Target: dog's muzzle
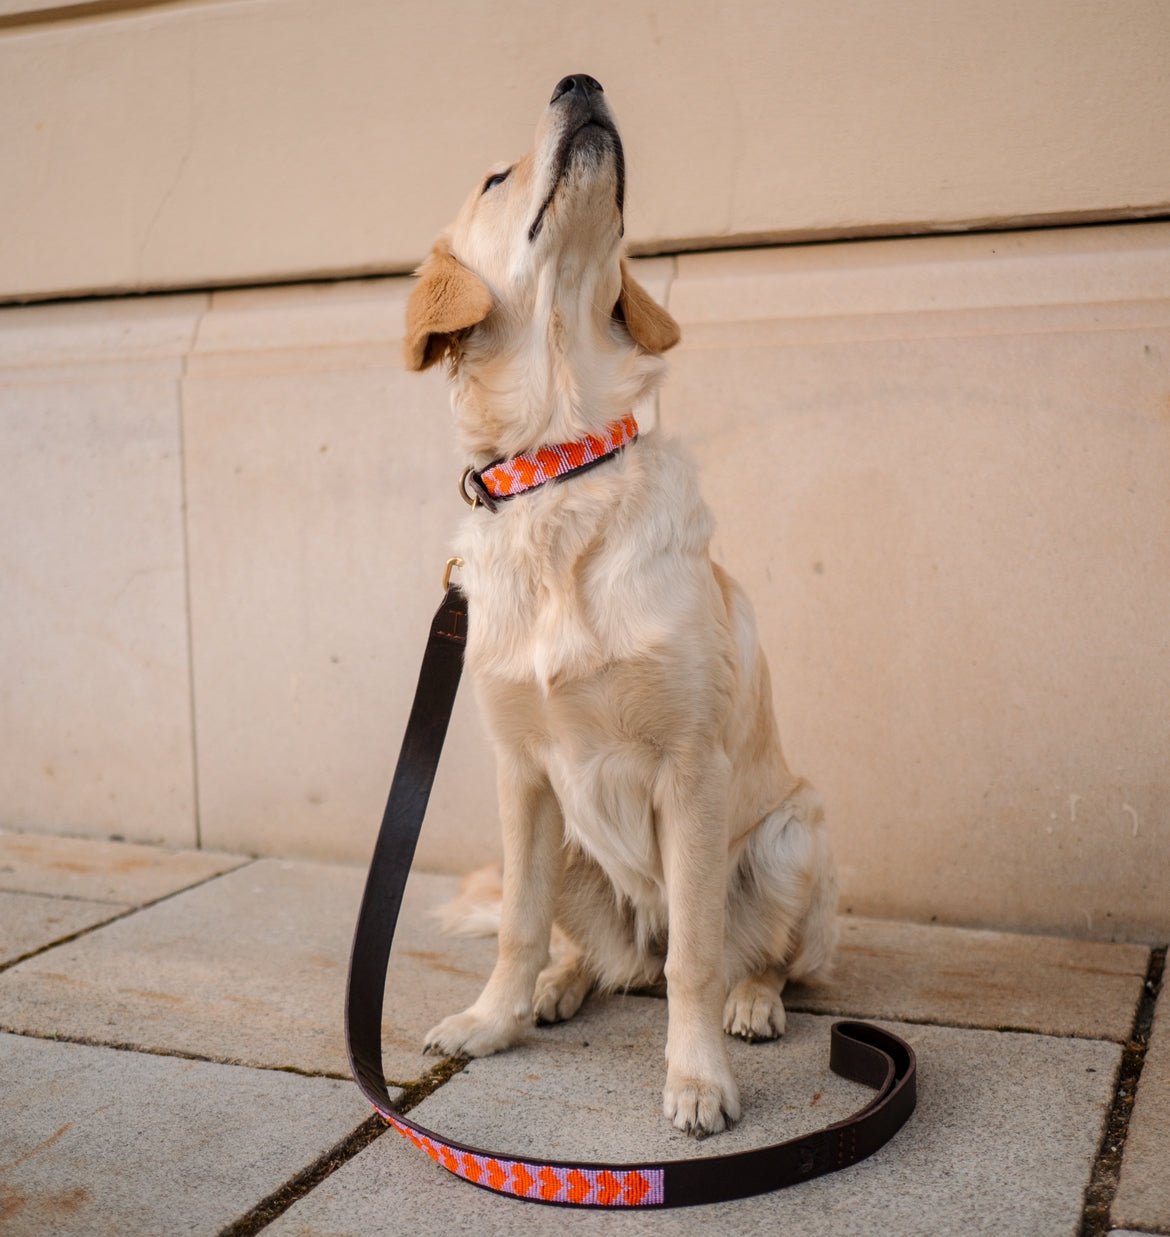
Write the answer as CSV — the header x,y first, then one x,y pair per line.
x,y
583,100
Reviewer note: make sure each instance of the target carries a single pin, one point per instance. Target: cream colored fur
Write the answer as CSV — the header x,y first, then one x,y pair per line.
x,y
645,803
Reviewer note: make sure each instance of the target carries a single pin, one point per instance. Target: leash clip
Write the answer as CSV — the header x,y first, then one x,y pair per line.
x,y
452,563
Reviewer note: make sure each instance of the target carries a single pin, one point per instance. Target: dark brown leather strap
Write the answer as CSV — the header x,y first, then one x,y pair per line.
x,y
859,1051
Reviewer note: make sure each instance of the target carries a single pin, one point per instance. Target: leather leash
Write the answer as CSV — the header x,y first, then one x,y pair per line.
x,y
858,1050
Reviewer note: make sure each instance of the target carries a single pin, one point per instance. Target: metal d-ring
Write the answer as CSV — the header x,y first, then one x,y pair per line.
x,y
472,500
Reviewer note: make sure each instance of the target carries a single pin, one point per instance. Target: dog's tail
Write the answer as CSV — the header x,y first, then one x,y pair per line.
x,y
475,910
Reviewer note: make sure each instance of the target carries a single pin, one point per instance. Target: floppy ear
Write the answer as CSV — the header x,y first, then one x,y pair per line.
x,y
650,325
447,298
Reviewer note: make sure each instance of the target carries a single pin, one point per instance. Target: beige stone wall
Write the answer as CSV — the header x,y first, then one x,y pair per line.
x,y
944,467
939,465
188,145
95,711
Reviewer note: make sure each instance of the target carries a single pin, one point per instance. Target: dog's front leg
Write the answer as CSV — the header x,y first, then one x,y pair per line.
x,y
700,1096
533,854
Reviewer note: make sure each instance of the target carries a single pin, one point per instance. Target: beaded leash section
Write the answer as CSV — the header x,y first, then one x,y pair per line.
x,y
578,1185
526,472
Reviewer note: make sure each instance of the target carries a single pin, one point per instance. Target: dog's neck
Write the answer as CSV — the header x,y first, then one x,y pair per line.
x,y
553,369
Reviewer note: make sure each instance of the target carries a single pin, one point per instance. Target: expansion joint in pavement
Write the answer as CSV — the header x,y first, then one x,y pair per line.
x,y
1095,1220
116,912
278,1202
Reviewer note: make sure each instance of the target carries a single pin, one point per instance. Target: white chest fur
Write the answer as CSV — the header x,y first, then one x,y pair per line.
x,y
583,600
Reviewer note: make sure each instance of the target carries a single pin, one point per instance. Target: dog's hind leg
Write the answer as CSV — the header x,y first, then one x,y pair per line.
x,y
596,943
811,955
753,1010
781,915
562,986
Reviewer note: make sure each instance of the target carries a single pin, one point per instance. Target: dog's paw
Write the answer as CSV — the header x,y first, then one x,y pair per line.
x,y
700,1106
560,991
471,1035
754,1010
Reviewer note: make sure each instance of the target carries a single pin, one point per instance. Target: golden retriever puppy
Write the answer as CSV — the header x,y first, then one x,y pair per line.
x,y
645,803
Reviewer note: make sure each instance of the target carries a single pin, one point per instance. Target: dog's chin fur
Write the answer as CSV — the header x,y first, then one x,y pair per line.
x,y
550,363
644,798
554,374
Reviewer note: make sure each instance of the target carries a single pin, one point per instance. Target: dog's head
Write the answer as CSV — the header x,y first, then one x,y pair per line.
x,y
529,280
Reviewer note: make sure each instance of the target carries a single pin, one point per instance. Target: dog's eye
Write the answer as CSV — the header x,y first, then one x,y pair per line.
x,y
497,179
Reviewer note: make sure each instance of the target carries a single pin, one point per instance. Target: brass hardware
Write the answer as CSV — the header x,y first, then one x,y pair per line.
x,y
472,500
452,563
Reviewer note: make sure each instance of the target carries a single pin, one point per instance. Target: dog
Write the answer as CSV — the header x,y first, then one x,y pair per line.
x,y
645,803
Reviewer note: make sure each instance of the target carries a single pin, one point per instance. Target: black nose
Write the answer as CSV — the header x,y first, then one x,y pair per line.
x,y
577,83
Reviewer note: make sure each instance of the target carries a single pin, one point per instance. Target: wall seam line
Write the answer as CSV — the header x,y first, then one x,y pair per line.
x,y
184,519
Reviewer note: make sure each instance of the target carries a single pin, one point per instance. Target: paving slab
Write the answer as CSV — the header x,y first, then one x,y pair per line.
x,y
964,977
96,1142
1003,1140
250,969
1143,1193
30,921
101,871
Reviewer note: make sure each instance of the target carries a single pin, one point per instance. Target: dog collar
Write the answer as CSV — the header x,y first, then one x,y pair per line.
x,y
507,478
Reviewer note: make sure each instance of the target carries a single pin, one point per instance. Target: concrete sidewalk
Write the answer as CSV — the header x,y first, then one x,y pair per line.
x,y
171,1061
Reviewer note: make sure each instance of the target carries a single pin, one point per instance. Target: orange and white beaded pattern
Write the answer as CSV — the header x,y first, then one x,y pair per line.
x,y
549,1183
525,472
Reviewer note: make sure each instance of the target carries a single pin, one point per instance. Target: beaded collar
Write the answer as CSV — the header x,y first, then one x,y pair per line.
x,y
507,478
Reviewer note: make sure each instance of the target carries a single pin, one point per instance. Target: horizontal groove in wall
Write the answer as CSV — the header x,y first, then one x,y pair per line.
x,y
17,15
667,248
